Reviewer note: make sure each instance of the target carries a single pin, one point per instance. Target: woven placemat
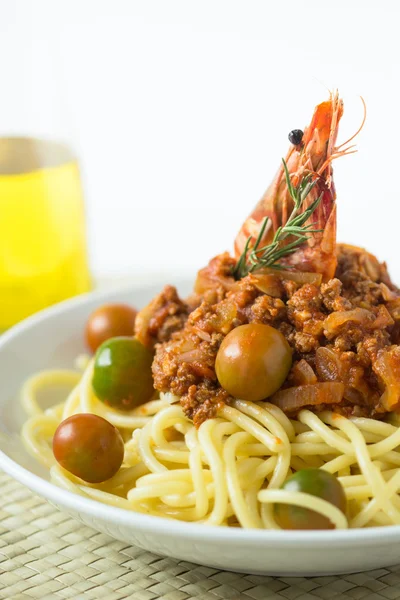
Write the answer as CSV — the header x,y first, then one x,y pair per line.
x,y
45,554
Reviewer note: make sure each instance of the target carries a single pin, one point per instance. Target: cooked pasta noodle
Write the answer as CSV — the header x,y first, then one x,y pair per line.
x,y
229,470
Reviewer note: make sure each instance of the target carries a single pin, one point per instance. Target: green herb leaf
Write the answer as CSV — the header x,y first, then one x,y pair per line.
x,y
255,258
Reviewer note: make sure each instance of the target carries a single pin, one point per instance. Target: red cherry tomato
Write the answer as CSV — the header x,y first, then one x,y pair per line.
x,y
89,447
110,320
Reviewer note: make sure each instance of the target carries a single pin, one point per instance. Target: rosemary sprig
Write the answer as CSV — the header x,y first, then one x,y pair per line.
x,y
255,258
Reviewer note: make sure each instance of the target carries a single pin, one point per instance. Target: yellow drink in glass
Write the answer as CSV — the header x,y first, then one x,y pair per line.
x,y
43,256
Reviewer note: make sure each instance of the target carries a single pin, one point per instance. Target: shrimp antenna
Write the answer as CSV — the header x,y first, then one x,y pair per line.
x,y
359,129
337,153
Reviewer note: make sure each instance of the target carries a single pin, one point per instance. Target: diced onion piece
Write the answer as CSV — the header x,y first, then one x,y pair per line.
x,y
292,275
216,274
302,278
393,307
361,317
388,294
225,313
303,374
337,320
387,367
294,398
383,319
328,365
268,283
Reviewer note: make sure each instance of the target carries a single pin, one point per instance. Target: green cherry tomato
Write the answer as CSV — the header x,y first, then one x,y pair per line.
x,y
316,482
89,447
108,321
122,375
253,361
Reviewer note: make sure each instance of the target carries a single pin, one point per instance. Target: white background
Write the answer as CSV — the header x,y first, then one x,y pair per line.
x,y
180,112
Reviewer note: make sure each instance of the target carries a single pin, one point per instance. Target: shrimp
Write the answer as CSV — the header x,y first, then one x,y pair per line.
x,y
313,155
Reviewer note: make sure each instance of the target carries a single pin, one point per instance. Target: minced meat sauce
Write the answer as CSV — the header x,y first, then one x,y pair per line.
x,y
345,330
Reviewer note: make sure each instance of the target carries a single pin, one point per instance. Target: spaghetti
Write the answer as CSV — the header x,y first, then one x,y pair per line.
x,y
229,470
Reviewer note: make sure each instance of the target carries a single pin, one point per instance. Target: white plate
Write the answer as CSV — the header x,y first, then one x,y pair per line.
x,y
52,339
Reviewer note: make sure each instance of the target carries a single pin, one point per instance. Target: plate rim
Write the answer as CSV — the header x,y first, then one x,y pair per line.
x,y
154,524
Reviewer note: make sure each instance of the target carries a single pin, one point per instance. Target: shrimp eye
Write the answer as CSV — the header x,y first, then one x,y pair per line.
x,y
295,137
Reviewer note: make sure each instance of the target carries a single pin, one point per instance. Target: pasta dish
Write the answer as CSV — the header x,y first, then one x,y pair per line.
x,y
269,398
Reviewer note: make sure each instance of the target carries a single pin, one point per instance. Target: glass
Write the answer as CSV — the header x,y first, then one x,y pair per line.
x,y
43,256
